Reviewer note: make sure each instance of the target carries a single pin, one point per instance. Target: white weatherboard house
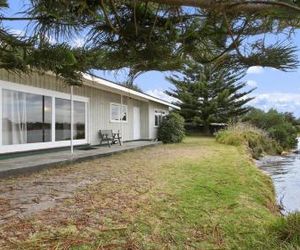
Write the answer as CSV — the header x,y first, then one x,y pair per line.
x,y
36,112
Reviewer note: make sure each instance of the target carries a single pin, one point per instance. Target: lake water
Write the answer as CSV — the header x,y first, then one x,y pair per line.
x,y
285,173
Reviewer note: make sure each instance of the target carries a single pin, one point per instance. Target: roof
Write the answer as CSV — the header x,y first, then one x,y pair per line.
x,y
109,85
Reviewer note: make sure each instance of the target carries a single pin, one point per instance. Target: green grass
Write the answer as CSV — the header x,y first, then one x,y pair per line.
x,y
195,195
219,201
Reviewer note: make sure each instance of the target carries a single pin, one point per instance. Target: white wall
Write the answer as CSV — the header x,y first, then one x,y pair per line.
x,y
99,105
152,107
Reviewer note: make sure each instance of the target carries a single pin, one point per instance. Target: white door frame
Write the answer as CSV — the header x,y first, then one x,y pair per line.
x,y
53,94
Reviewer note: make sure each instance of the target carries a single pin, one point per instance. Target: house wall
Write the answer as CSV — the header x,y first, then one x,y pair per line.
x,y
99,105
152,107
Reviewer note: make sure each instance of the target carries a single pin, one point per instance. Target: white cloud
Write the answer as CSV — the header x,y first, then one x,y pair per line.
x,y
51,39
17,32
255,70
283,102
78,42
274,69
252,83
158,93
22,33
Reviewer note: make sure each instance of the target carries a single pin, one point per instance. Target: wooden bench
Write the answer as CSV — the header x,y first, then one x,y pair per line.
x,y
110,137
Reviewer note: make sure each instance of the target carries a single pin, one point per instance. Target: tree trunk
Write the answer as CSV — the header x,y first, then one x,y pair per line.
x,y
206,129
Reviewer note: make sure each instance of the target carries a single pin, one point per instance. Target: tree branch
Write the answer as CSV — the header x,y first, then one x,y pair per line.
x,y
247,6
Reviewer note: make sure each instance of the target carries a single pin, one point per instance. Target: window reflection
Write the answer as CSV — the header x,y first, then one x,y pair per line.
x,y
26,118
79,120
118,112
114,112
158,117
124,113
63,120
39,117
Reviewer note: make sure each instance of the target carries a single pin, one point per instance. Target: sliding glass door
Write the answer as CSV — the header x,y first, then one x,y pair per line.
x,y
26,118
79,120
63,120
40,119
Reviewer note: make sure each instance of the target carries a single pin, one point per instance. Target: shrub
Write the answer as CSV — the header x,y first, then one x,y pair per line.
x,y
285,134
287,229
280,126
256,140
171,129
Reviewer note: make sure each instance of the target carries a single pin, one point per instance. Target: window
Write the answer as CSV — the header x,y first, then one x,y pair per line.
x,y
26,118
39,118
63,120
79,120
34,118
118,112
123,116
114,112
158,117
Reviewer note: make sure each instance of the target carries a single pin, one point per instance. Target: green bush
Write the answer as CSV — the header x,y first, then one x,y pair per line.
x,y
171,129
256,140
280,126
287,229
285,134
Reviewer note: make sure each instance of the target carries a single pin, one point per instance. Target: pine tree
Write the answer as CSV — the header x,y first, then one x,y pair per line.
x,y
209,93
147,35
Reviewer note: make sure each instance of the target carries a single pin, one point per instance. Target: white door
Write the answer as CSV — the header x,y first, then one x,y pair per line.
x,y
136,123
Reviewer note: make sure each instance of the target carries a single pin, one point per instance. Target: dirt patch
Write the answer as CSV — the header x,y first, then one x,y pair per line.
x,y
93,196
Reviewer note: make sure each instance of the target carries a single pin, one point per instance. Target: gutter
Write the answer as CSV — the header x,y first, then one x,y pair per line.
x,y
125,90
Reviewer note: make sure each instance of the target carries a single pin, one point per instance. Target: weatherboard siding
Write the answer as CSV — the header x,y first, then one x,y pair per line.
x,y
98,107
151,114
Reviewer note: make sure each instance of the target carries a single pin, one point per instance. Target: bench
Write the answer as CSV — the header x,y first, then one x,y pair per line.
x,y
110,137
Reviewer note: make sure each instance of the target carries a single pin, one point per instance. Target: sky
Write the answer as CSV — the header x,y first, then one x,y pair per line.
x,y
274,88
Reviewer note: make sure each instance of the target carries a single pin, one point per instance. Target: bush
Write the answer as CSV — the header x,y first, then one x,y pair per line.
x,y
171,129
285,134
280,126
287,229
256,140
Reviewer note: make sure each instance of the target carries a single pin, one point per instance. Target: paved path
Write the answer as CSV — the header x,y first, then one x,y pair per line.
x,y
26,164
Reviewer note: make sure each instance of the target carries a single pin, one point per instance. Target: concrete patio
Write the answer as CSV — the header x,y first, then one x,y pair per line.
x,y
41,160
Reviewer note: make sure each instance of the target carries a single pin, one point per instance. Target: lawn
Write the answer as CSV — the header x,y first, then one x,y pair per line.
x,y
194,195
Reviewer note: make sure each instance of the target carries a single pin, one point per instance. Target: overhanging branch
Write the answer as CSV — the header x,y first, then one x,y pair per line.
x,y
244,6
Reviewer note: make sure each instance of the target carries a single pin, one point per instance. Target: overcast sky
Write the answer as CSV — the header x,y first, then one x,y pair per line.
x,y
274,89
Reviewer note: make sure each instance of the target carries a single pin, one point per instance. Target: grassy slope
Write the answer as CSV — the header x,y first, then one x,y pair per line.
x,y
198,195
219,200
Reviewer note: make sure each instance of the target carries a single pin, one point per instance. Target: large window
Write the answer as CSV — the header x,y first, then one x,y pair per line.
x,y
63,120
79,120
26,118
118,112
158,117
31,119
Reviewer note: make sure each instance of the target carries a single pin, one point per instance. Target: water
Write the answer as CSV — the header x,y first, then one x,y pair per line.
x,y
285,173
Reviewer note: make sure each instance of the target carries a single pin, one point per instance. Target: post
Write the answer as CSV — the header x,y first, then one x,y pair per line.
x,y
72,120
43,118
122,135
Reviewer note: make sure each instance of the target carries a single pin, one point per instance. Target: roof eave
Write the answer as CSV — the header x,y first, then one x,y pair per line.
x,y
127,91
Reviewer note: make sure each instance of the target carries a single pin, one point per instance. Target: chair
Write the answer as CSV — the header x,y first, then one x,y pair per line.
x,y
109,137
106,136
117,138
